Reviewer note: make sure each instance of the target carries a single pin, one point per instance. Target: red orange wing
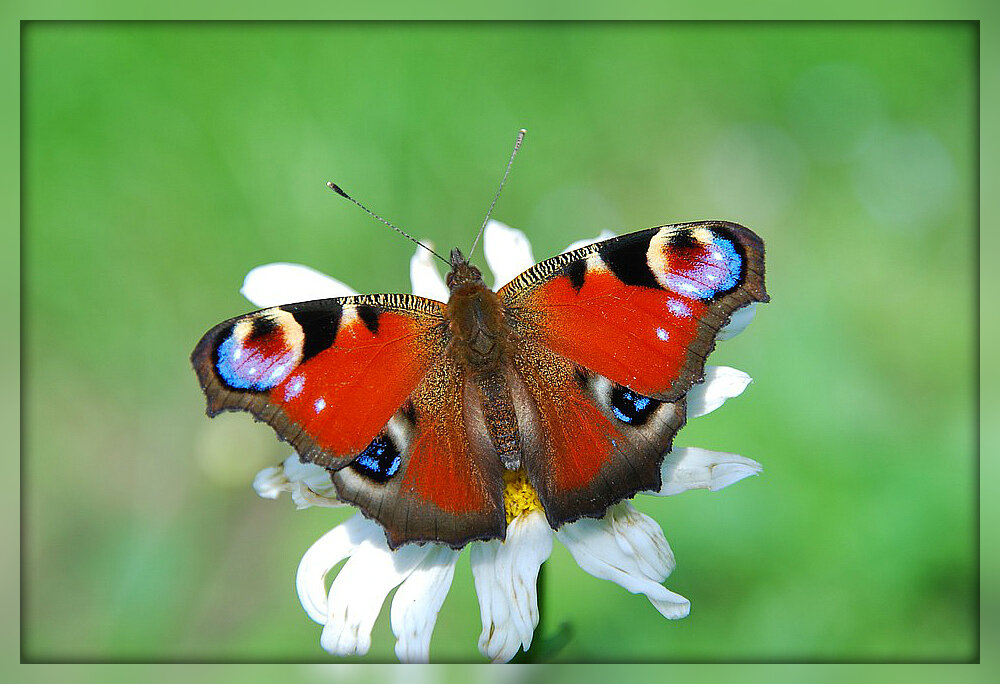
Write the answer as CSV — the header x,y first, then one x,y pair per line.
x,y
611,338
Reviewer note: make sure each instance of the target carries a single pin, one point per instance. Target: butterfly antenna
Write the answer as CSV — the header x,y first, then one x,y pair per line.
x,y
337,189
517,146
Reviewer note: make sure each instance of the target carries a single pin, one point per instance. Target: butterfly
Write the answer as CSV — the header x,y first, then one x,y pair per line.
x,y
574,373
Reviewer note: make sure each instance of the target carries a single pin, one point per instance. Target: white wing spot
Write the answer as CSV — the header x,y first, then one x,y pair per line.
x,y
319,404
278,371
678,308
294,387
662,334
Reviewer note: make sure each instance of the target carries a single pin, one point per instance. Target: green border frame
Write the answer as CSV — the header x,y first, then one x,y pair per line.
x,y
985,12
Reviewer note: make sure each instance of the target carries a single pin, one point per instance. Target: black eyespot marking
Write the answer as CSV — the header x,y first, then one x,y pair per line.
x,y
379,461
319,325
261,326
632,408
682,239
577,273
369,316
627,260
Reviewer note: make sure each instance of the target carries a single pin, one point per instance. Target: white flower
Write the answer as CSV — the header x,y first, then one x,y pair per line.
x,y
625,546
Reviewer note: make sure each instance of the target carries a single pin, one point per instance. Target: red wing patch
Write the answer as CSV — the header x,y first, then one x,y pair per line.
x,y
635,336
346,393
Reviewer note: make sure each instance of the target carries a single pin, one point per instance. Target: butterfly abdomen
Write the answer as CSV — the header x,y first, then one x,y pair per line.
x,y
481,346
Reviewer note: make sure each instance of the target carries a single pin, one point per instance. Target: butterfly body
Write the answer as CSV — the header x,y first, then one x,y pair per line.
x,y
574,373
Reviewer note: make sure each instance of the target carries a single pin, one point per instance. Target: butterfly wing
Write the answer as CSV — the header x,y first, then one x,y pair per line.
x,y
610,338
362,386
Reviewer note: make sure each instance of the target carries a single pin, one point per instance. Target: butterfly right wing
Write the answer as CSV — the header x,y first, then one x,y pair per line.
x,y
610,338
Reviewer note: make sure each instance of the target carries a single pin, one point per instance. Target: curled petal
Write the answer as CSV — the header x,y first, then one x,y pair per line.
x,y
309,484
508,252
738,323
425,279
687,468
281,283
605,235
720,383
270,482
359,590
505,575
417,602
629,549
324,554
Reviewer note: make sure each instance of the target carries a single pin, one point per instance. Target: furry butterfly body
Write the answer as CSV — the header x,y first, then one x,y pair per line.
x,y
574,373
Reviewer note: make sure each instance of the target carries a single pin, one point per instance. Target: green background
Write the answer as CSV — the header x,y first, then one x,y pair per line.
x,y
163,161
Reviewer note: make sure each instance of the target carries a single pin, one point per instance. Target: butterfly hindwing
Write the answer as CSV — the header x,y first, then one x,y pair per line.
x,y
610,338
427,477
595,442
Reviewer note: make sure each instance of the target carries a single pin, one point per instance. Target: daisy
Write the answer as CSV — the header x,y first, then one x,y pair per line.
x,y
625,546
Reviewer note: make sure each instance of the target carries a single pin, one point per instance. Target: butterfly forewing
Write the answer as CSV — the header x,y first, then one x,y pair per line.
x,y
641,309
326,375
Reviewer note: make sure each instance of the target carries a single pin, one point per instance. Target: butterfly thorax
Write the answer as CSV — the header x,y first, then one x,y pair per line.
x,y
475,317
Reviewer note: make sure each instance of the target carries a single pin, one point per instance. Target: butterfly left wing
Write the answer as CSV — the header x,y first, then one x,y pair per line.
x,y
611,337
362,386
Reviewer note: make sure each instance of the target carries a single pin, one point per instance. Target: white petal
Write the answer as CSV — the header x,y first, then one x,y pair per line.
x,y
508,252
687,468
506,575
359,590
738,323
309,484
425,279
417,602
605,235
269,483
280,283
330,549
720,383
629,549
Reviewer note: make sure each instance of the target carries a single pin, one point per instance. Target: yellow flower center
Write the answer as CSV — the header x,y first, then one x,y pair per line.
x,y
519,497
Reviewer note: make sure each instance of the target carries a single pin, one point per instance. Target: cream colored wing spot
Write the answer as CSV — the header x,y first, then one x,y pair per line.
x,y
657,256
595,264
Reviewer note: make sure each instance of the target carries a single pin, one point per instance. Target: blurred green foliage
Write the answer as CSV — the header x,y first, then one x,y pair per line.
x,y
163,161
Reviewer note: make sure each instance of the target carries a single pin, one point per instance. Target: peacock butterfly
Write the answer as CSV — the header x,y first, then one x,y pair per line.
x,y
575,373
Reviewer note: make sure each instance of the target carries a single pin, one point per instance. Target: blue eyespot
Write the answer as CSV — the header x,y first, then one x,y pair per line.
x,y
241,366
632,408
379,461
718,269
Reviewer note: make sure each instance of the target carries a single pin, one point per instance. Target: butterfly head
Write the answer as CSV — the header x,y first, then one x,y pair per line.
x,y
462,272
